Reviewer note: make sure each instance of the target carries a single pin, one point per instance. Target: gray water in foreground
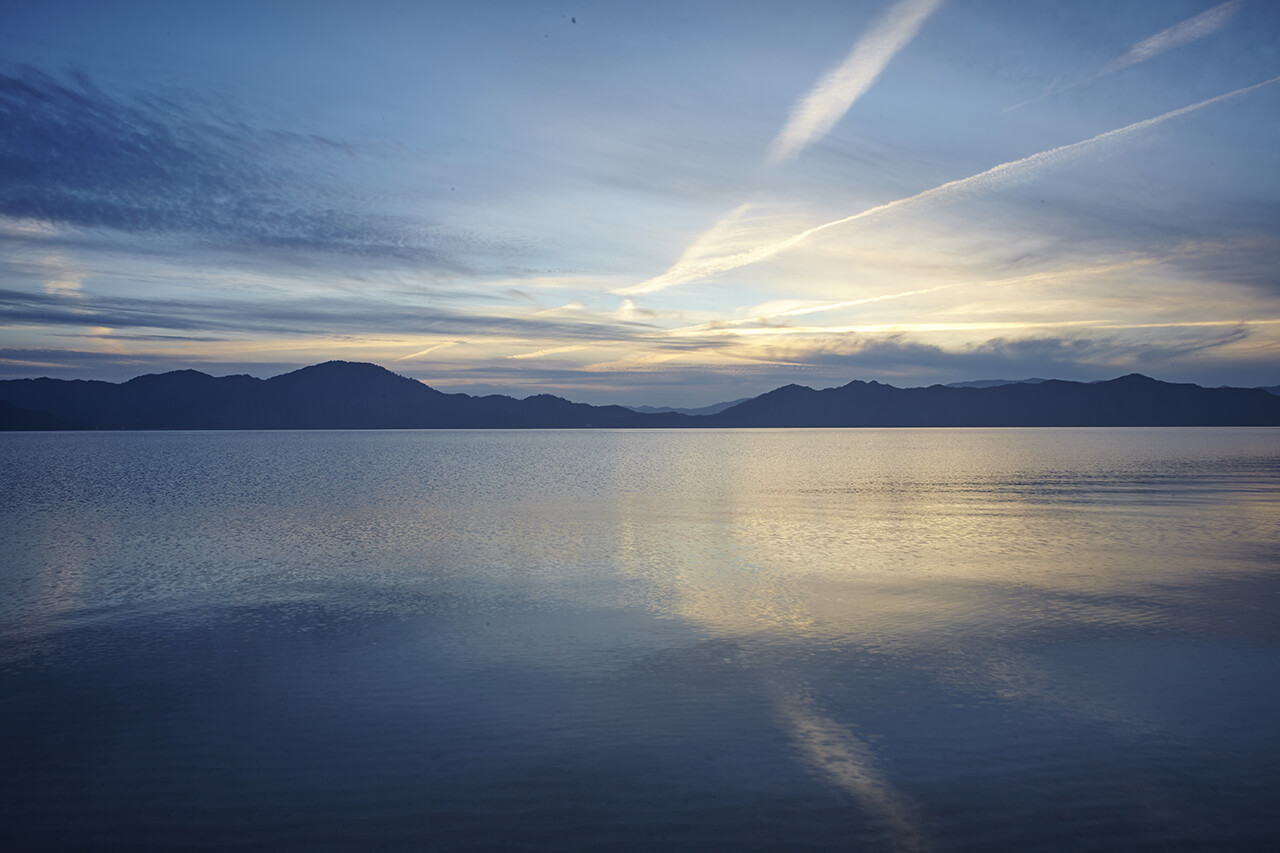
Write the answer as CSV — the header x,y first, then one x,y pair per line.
x,y
707,640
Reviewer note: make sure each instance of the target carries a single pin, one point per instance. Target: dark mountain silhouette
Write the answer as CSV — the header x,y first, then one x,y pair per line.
x,y
346,395
1133,400
333,395
13,417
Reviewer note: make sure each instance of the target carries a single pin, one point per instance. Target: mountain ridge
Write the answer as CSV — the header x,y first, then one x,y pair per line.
x,y
357,395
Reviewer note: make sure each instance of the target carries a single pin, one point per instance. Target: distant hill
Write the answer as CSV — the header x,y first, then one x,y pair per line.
x,y
1133,400
991,383
333,395
346,395
14,417
713,409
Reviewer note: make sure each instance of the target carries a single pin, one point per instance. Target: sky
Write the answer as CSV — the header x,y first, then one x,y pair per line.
x,y
658,203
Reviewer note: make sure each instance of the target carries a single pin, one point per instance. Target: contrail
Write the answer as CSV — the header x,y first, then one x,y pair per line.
x,y
1185,32
816,113
549,351
925,328
694,265
720,327
429,350
830,98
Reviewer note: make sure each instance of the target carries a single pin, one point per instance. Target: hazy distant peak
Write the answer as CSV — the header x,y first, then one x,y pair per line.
x,y
992,383
713,409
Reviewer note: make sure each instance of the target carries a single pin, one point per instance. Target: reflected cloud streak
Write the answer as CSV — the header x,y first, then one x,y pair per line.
x,y
834,751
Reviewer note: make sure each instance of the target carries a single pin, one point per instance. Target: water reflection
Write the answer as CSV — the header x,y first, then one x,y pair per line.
x,y
967,560
838,754
907,637
868,543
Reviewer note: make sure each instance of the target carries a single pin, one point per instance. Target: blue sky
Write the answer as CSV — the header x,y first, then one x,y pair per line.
x,y
661,203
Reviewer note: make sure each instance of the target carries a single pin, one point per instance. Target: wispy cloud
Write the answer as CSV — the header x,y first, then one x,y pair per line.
x,y
429,350
764,318
744,236
821,107
1192,29
73,156
811,118
298,316
1206,23
1088,352
716,252
974,326
549,351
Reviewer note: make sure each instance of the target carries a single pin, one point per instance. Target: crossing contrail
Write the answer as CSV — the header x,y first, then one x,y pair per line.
x,y
702,260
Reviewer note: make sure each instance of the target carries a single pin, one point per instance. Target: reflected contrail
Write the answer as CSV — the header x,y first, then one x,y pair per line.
x,y
693,266
832,96
848,763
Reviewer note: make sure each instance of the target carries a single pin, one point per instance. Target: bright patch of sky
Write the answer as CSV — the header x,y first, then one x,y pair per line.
x,y
659,203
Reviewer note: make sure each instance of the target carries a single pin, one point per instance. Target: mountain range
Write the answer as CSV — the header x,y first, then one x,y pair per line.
x,y
348,395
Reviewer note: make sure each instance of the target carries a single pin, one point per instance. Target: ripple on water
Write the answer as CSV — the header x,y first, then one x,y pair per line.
x,y
877,639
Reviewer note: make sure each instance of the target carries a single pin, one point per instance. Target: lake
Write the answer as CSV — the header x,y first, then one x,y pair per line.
x,y
907,639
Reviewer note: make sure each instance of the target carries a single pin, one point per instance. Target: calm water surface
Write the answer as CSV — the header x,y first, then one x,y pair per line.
x,y
705,640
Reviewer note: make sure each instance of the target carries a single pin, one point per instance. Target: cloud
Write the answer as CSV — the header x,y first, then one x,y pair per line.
x,y
429,350
1057,355
821,107
764,329
1206,23
74,155
1204,355
549,351
17,363
1185,32
772,317
723,243
904,361
732,243
811,118
300,315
